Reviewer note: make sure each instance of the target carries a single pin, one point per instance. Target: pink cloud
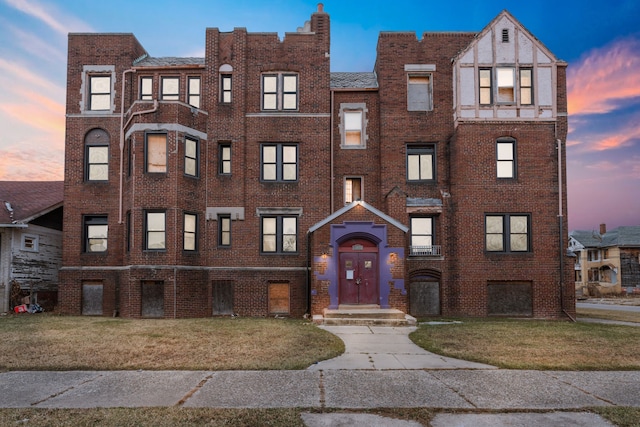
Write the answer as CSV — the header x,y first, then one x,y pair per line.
x,y
604,77
34,164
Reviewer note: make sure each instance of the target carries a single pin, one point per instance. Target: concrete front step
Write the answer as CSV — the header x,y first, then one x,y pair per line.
x,y
365,315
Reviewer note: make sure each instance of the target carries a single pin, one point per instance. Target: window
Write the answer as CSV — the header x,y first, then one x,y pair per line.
x,y
352,189
170,89
526,86
279,91
419,93
506,84
279,234
422,236
507,233
99,93
224,230
193,95
420,162
279,162
146,88
485,86
593,255
95,233
505,158
96,155
594,274
225,88
353,125
156,153
97,167
352,128
225,159
190,232
29,243
191,151
155,238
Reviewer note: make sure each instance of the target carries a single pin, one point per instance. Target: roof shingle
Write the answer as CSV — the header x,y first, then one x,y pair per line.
x,y
28,198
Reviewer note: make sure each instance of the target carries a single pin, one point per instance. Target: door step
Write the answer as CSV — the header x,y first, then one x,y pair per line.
x,y
360,315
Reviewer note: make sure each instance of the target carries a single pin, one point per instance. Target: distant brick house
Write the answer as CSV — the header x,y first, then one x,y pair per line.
x,y
30,240
256,181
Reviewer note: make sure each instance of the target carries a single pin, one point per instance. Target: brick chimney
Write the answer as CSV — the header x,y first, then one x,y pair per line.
x,y
603,229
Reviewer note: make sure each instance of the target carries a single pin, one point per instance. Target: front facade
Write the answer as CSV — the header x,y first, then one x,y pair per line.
x,y
255,181
607,262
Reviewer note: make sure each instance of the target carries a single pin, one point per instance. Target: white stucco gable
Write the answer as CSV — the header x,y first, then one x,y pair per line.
x,y
368,207
505,73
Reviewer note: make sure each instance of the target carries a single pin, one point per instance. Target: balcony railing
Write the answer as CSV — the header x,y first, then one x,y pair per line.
x,y
434,250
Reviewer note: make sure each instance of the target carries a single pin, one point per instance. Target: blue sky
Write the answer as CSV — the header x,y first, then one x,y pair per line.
x,y
601,45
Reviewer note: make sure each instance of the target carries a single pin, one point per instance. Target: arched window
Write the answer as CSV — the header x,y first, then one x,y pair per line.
x,y
96,155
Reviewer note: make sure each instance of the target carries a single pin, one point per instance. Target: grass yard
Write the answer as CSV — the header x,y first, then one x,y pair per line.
x,y
533,344
50,342
623,316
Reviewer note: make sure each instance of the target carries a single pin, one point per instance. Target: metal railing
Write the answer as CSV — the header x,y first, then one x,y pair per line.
x,y
433,250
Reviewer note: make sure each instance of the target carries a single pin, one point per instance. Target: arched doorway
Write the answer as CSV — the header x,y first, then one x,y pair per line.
x,y
358,272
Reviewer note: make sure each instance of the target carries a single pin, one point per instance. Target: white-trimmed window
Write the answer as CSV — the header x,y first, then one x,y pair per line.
x,y
507,87
193,91
279,92
170,89
506,84
353,125
30,243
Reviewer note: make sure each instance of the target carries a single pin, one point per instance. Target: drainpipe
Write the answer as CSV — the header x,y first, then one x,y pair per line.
x,y
309,273
131,70
561,227
331,150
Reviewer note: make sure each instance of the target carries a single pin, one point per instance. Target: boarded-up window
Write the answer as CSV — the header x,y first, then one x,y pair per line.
x,y
419,94
156,152
92,293
152,298
425,298
222,297
509,299
278,298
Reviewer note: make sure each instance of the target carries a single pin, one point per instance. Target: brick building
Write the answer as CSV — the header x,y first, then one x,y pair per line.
x,y
256,181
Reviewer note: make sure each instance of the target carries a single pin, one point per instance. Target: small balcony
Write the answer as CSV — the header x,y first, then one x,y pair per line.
x,y
433,250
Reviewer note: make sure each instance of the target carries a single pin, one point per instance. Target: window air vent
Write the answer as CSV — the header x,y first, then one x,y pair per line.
x,y
505,35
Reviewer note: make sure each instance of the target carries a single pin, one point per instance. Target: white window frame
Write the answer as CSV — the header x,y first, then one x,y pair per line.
x,y
34,246
348,125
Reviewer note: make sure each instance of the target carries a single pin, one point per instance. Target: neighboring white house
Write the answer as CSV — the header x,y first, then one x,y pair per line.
x,y
30,239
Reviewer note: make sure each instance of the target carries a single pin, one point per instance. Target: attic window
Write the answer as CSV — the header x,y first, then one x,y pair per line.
x,y
505,35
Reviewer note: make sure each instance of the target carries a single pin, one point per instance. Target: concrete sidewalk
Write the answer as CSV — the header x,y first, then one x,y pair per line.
x,y
380,369
384,348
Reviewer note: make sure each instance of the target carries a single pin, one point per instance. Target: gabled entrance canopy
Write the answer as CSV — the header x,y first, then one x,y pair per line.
x,y
365,205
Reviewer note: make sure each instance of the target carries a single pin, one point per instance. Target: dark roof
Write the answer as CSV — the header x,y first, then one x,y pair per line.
x,y
168,61
628,236
344,80
27,199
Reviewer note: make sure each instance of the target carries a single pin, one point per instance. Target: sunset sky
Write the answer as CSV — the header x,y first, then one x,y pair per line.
x,y
601,45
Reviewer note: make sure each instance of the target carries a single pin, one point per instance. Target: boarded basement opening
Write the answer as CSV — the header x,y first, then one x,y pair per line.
x,y
152,298
510,299
222,297
92,293
278,298
425,298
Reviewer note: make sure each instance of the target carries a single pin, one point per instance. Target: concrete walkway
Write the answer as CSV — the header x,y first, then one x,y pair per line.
x,y
385,348
381,369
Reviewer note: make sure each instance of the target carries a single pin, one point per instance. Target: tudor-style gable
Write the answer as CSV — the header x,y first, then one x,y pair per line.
x,y
506,74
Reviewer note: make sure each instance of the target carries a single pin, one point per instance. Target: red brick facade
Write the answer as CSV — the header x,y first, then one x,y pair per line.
x,y
258,153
